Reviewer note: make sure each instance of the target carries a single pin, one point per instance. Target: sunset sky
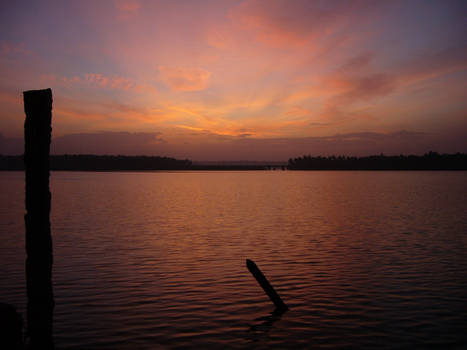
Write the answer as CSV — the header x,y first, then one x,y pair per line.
x,y
238,80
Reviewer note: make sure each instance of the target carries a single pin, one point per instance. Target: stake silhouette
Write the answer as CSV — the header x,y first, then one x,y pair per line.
x,y
264,283
39,258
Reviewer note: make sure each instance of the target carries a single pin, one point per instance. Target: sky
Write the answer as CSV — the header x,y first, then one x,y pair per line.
x,y
238,80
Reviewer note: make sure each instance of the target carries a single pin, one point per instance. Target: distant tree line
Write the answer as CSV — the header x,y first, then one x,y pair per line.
x,y
429,161
100,163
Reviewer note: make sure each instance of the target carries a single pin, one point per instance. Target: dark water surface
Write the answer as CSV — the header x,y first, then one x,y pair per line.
x,y
156,260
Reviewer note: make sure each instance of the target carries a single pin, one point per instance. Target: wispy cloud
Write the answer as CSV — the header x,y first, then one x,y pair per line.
x,y
127,9
184,78
282,23
11,49
96,80
128,5
432,64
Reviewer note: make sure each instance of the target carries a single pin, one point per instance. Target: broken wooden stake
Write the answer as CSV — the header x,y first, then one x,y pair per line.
x,y
264,283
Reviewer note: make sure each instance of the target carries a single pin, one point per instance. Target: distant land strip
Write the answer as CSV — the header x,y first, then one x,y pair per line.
x,y
100,163
429,161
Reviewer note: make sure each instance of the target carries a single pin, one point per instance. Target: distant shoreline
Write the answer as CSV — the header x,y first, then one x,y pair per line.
x,y
239,169
429,162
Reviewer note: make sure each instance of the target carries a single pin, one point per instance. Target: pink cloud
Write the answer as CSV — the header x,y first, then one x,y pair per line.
x,y
127,8
434,64
350,92
8,48
128,5
362,87
185,79
295,23
115,82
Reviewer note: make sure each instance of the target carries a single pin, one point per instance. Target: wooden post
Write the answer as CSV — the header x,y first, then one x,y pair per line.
x,y
39,257
264,283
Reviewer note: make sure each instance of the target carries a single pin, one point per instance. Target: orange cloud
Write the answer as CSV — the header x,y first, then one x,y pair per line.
x,y
185,79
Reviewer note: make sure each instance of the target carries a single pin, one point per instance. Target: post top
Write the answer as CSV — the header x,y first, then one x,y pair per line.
x,y
37,100
47,91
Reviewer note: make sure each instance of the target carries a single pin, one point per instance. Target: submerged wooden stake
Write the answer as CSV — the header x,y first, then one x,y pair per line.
x,y
39,258
264,283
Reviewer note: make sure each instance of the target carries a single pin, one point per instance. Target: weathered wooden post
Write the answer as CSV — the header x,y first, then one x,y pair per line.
x,y
39,257
264,283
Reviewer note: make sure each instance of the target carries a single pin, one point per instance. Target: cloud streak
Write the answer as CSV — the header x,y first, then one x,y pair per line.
x,y
185,79
95,80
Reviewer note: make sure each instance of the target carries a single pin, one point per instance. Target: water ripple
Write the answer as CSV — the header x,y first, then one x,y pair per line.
x,y
157,260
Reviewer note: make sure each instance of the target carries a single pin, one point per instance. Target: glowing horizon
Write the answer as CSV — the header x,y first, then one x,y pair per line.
x,y
234,79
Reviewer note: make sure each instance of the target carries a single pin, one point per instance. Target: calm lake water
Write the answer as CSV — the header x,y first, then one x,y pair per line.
x,y
156,260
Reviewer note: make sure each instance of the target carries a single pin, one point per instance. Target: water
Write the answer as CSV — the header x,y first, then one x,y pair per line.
x,y
156,260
